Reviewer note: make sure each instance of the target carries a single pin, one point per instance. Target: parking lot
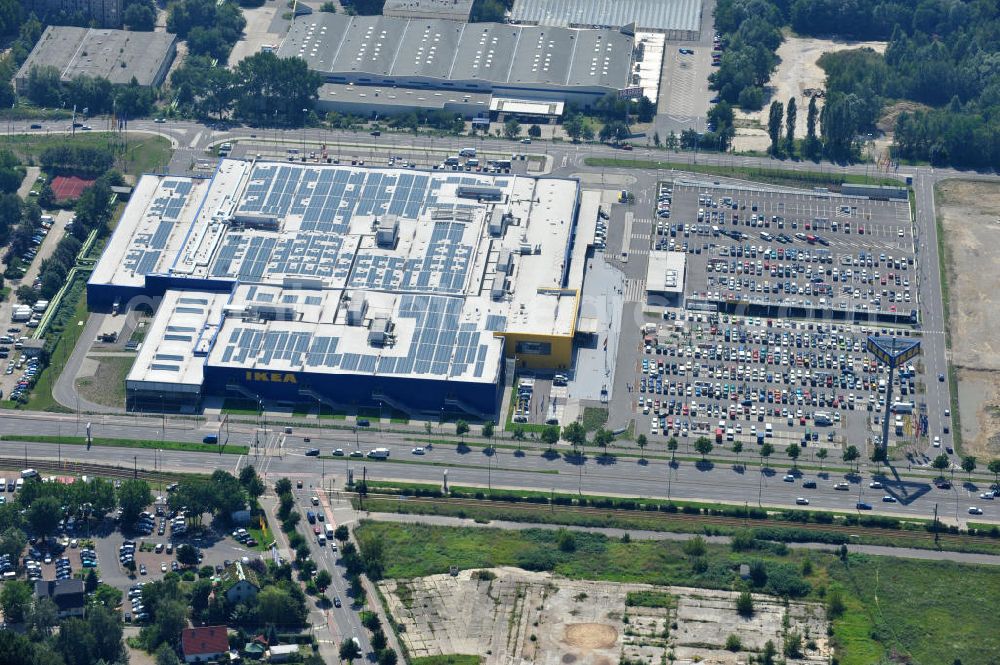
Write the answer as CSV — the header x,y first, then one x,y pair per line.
x,y
752,380
815,267
812,253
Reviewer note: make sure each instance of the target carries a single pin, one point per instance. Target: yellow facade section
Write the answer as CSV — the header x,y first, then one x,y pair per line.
x,y
529,350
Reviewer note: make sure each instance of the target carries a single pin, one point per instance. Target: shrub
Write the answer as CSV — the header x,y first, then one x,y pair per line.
x,y
733,643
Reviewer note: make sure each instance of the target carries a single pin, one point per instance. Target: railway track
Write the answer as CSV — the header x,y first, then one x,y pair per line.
x,y
655,519
69,468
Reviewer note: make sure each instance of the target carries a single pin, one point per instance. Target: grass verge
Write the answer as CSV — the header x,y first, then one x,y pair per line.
x,y
674,516
107,385
772,176
925,611
449,659
186,446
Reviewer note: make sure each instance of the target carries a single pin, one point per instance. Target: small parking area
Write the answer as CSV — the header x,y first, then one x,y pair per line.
x,y
539,400
757,380
819,253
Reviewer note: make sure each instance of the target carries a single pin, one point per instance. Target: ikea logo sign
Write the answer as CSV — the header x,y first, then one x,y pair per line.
x,y
271,377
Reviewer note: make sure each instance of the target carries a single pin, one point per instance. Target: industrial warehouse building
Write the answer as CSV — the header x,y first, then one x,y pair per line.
x,y
676,19
116,55
444,60
347,286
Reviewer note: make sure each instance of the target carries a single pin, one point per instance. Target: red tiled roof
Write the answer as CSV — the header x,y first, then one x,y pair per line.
x,y
207,640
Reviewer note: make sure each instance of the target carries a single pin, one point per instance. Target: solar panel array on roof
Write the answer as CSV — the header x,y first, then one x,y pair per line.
x,y
441,344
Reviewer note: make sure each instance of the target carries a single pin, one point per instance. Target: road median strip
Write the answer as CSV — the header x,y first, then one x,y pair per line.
x,y
187,446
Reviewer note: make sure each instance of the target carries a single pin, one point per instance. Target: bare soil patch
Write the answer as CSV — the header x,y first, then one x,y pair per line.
x,y
797,72
590,636
969,213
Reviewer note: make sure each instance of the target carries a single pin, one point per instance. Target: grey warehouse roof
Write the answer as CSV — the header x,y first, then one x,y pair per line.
x,y
455,10
91,52
659,15
494,53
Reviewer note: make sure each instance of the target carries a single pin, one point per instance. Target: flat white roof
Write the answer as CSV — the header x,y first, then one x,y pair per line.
x,y
172,356
297,243
527,106
665,272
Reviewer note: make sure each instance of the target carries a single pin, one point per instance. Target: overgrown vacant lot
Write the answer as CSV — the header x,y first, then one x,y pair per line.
x,y
916,611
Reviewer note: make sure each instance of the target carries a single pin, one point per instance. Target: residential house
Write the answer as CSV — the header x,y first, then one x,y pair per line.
x,y
201,645
239,583
68,595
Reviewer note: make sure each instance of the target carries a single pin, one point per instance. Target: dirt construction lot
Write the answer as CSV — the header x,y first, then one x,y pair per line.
x,y
512,616
796,73
970,218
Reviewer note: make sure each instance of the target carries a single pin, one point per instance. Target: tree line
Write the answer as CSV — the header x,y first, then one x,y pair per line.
x,y
941,54
262,89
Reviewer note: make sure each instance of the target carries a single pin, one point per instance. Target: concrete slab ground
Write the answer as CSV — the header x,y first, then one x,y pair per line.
x,y
508,615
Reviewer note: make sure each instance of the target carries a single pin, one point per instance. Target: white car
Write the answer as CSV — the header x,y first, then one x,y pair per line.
x,y
163,566
875,485
802,501
987,495
937,441
973,510
419,450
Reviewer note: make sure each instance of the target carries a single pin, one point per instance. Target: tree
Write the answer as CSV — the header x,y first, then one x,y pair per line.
x,y
812,142
535,131
187,555
641,442
12,543
765,452
941,462
774,119
851,454
821,455
328,7
793,451
574,126
488,428
133,497
15,599
615,131
751,98
790,116
283,486
969,464
566,541
44,515
517,432
767,658
270,89
793,645
512,128
461,428
44,616
879,455
139,17
281,606
672,447
165,655
703,446
342,533
737,449
733,643
994,468
378,640
744,604
44,86
90,581
575,433
387,657
603,438
323,580
349,650
550,435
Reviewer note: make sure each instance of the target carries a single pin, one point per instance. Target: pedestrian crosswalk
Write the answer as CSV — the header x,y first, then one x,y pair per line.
x,y
635,290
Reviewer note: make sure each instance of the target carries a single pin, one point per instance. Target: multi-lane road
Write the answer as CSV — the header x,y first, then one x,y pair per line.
x,y
283,455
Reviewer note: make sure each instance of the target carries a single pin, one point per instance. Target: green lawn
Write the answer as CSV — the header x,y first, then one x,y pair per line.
x,y
143,153
594,418
451,659
128,443
798,177
923,611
